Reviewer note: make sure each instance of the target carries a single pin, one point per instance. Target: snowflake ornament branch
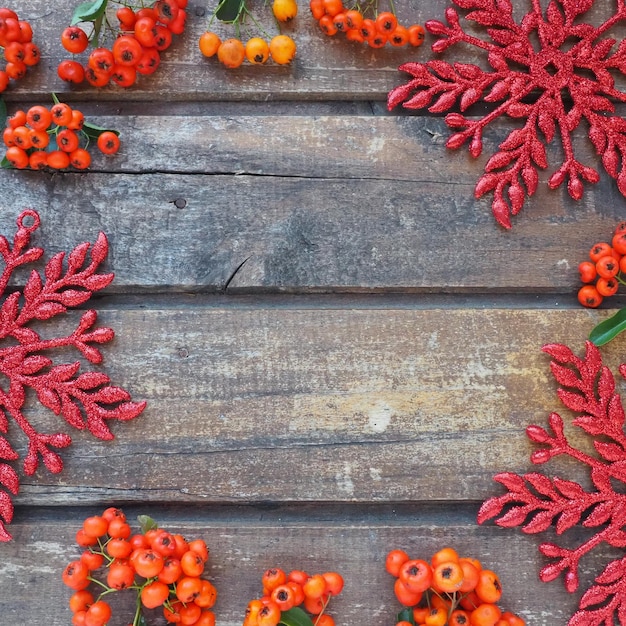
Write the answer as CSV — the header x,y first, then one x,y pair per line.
x,y
84,400
535,502
527,84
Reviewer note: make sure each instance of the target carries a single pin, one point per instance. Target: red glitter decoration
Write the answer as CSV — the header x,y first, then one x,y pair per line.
x,y
535,502
573,59
84,400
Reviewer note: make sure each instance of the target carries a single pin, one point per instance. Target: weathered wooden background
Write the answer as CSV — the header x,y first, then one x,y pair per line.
x,y
338,345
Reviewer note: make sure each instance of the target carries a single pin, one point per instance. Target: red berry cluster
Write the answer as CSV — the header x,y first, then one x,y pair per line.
x,y
294,592
162,568
19,51
55,138
144,33
376,31
604,271
448,590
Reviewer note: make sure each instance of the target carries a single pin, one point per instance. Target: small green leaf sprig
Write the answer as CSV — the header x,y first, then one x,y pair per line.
x,y
609,328
91,12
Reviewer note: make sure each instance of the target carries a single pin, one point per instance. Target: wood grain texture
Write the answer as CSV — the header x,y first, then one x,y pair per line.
x,y
317,539
325,68
385,405
306,204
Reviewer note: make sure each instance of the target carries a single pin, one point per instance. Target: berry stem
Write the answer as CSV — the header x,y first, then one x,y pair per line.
x,y
106,588
324,605
137,611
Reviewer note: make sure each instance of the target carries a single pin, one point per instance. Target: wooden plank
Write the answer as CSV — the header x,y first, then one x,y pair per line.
x,y
307,144
244,542
386,405
301,226
309,203
324,69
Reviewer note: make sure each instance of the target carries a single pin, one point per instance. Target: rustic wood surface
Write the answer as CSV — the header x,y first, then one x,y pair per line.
x,y
338,345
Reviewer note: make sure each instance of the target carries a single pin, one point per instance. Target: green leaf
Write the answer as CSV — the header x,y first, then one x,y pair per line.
x,y
6,164
228,10
295,617
406,615
142,620
93,131
89,11
146,523
609,328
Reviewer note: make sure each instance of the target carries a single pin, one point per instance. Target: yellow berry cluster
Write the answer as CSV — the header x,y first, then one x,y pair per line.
x,y
258,49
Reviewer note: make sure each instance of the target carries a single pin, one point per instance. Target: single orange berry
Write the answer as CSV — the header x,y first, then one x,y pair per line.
x,y
489,588
285,10
436,617
154,594
416,35
399,37
334,583
95,526
273,577
485,615
231,53
38,160
447,577
354,19
282,49
588,272
404,595
317,9
589,296
332,7
314,587
599,250
108,142
471,574
458,617
257,50
444,555
416,574
607,286
386,22
607,266
61,114
209,43
283,596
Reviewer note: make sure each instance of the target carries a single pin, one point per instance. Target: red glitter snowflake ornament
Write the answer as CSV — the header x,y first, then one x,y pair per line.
x,y
84,400
535,502
573,59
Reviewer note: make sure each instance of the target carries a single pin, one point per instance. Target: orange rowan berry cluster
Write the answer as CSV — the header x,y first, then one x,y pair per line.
x,y
257,50
294,594
18,49
448,590
605,269
56,138
144,33
376,31
162,568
